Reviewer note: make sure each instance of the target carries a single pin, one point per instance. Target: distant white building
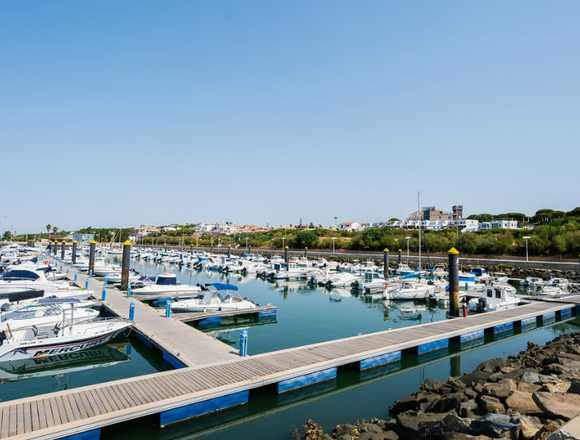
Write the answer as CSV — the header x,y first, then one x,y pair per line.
x,y
351,226
498,224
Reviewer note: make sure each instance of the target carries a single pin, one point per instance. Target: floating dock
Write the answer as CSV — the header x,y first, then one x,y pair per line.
x,y
184,393
180,344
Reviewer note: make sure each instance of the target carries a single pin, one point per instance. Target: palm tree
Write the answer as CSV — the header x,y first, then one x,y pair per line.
x,y
54,230
48,227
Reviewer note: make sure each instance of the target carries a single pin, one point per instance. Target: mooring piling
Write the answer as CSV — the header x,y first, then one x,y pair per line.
x,y
74,252
453,282
132,311
92,251
386,263
126,261
244,343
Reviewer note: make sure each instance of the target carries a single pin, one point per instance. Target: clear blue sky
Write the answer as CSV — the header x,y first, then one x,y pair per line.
x,y
120,113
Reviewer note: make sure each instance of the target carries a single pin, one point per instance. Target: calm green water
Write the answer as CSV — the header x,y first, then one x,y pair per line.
x,y
305,315
117,360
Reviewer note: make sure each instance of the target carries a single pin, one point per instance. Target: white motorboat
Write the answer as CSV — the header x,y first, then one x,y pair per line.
x,y
39,342
166,284
45,315
495,298
411,291
338,279
212,302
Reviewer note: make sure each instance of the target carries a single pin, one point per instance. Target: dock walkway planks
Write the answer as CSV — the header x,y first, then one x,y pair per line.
x,y
72,411
187,344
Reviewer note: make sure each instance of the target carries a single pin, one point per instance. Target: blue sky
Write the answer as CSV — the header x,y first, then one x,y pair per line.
x,y
120,113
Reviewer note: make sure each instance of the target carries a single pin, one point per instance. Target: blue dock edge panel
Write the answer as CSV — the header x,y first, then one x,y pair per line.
x,y
529,322
308,379
172,360
472,336
210,321
501,328
433,346
566,313
144,339
267,314
94,434
201,408
381,360
550,316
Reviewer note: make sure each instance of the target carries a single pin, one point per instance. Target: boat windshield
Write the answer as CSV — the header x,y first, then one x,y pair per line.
x,y
166,280
28,275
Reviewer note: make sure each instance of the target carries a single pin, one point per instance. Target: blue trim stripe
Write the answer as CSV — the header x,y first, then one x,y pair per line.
x,y
565,313
550,316
172,360
308,379
528,323
94,434
473,336
144,339
433,346
212,320
381,360
501,328
267,314
201,408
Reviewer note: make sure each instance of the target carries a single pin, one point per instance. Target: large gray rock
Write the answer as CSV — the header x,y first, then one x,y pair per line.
x,y
522,402
490,404
494,425
412,423
529,426
501,389
557,387
453,423
468,408
530,377
561,405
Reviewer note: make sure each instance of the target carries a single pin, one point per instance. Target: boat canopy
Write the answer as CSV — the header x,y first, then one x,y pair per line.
x,y
20,274
224,286
166,279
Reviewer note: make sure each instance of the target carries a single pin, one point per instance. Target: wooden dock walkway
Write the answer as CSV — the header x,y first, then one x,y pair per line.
x,y
180,343
86,409
268,310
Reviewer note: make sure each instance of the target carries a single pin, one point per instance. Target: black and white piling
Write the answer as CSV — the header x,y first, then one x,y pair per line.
x,y
386,263
125,262
453,282
74,252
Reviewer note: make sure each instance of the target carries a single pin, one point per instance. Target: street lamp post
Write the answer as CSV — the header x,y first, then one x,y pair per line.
x,y
526,237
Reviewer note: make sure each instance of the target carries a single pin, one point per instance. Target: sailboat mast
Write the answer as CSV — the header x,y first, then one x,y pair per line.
x,y
420,224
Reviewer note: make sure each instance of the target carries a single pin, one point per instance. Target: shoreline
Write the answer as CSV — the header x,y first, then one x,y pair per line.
x,y
528,396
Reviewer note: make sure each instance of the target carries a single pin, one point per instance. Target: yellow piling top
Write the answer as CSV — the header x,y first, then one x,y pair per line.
x,y
453,251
